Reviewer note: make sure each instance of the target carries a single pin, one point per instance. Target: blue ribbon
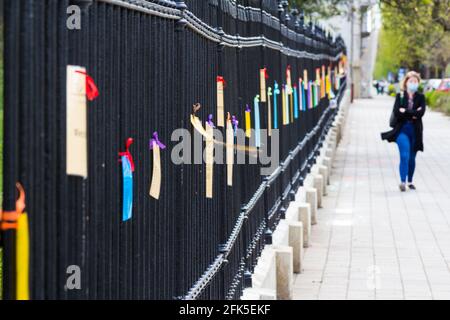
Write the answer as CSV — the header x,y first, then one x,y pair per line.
x,y
127,189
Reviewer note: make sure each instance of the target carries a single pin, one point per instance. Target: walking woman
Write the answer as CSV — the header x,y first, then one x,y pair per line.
x,y
407,132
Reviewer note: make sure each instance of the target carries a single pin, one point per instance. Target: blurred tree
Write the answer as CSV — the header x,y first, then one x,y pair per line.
x,y
415,32
388,57
439,56
321,8
437,10
414,35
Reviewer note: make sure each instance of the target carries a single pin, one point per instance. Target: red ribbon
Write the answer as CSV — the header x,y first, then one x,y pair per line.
x,y
91,88
8,219
266,74
222,79
127,153
288,69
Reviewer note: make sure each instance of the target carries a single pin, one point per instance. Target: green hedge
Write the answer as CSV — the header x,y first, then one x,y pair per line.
x,y
438,100
391,90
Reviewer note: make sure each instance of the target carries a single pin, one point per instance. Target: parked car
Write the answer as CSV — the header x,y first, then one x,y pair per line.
x,y
444,86
432,84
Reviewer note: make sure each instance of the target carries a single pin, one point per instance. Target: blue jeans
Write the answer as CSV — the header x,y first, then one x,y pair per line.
x,y
406,141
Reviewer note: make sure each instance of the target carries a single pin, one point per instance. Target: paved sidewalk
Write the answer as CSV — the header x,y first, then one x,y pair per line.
x,y
371,241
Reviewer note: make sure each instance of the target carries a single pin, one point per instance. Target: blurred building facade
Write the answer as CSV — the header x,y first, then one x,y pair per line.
x,y
359,26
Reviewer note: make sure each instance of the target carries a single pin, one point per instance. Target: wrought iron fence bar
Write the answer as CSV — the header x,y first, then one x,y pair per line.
x,y
183,245
212,33
151,8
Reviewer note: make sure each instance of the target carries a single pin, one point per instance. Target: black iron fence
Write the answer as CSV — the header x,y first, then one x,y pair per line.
x,y
151,61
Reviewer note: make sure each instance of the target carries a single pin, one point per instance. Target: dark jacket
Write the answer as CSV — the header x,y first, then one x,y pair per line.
x,y
419,102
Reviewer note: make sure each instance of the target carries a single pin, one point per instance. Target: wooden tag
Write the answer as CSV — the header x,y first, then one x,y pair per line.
x,y
305,79
262,77
288,81
155,186
76,123
300,94
220,104
310,95
230,152
269,112
195,121
209,159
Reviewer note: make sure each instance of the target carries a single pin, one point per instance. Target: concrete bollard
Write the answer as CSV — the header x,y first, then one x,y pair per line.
x,y
332,141
338,132
311,198
318,185
304,215
329,153
324,170
296,242
285,274
258,294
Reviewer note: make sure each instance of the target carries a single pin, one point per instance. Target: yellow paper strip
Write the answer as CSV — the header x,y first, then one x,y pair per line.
x,y
283,95
248,125
22,258
328,86
155,186
209,159
322,83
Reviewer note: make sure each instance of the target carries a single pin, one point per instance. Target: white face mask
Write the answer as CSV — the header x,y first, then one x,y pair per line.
x,y
412,87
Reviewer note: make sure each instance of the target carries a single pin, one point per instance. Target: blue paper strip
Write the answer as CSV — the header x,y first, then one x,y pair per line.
x,y
276,92
295,103
127,189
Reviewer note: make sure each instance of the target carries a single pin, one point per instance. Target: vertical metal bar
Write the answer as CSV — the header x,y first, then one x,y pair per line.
x,y
12,18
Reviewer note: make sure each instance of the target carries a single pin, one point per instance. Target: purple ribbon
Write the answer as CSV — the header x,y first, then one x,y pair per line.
x,y
247,108
210,121
234,122
155,140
